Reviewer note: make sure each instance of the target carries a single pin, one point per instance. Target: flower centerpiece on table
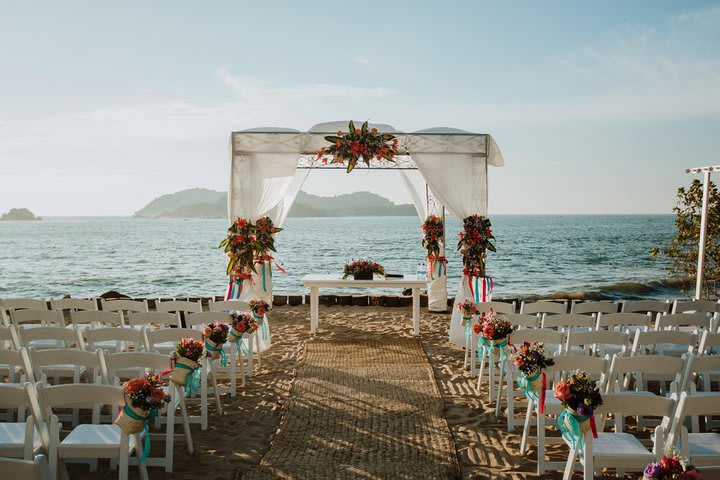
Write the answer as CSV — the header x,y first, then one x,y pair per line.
x,y
580,396
241,324
671,468
259,307
186,367
216,334
433,235
468,308
531,359
359,144
143,399
475,240
363,270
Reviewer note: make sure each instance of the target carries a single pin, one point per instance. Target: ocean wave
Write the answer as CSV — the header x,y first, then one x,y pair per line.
x,y
670,288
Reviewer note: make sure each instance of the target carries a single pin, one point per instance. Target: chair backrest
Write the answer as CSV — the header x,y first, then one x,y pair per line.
x,y
612,321
12,396
709,343
37,469
15,360
23,303
135,337
4,319
657,339
124,305
44,359
645,306
178,306
161,319
568,321
73,304
704,365
688,405
96,318
78,395
497,307
597,338
543,307
584,308
522,320
165,335
677,320
565,365
120,363
629,403
229,306
695,306
41,317
9,339
547,336
52,337
670,368
194,320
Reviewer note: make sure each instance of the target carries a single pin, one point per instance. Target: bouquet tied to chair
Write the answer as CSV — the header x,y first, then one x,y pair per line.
x,y
241,324
531,359
215,335
144,398
186,364
580,396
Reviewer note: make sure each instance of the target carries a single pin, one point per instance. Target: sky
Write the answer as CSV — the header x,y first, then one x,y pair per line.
x,y
597,107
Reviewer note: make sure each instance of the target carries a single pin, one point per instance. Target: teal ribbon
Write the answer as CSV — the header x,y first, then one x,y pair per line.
x,y
569,425
486,345
193,385
468,329
240,346
263,328
263,277
524,383
223,355
153,413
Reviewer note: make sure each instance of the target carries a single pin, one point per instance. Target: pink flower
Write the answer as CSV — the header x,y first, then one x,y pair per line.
x,y
562,391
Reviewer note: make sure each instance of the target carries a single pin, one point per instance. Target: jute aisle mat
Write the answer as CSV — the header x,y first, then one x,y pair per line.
x,y
365,408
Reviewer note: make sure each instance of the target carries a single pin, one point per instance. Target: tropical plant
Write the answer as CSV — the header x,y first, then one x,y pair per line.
x,y
433,235
247,244
475,240
359,143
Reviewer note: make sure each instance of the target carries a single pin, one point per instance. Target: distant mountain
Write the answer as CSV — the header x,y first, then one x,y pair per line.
x,y
19,214
203,203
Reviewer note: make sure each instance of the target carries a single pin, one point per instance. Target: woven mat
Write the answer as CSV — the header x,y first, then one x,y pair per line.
x,y
363,408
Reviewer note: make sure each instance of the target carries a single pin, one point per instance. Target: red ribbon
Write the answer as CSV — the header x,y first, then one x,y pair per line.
x,y
542,394
280,268
593,427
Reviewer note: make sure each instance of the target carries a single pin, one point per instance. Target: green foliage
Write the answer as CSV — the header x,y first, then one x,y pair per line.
x,y
683,248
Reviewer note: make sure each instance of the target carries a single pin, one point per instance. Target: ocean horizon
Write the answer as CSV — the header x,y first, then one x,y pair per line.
x,y
580,256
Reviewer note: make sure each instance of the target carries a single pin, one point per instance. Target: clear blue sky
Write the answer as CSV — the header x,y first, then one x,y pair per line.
x,y
597,106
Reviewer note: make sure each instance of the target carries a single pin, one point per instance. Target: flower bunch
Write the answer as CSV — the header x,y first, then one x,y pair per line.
x,y
145,392
362,266
531,358
190,349
493,327
467,307
433,234
671,468
265,230
247,243
244,323
475,240
579,394
259,307
359,143
216,332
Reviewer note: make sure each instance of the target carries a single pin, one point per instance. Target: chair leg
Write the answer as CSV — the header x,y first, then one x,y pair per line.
x,y
203,396
124,456
498,401
481,371
138,453
185,420
526,427
540,426
570,464
216,390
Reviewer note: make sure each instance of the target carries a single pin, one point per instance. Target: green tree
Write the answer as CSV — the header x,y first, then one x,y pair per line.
x,y
683,248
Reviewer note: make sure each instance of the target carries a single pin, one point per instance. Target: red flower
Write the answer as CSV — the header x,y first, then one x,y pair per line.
x,y
488,330
158,395
671,464
135,385
477,328
692,475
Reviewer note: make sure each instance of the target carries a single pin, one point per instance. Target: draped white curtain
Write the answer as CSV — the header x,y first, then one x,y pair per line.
x,y
417,187
459,181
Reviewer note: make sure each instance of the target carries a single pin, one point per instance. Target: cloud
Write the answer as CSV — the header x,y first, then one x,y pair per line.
x,y
359,60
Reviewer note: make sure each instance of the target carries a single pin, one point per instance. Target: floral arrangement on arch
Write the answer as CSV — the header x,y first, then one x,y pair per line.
x,y
475,240
360,267
241,324
671,468
259,307
493,327
248,244
143,399
433,234
359,144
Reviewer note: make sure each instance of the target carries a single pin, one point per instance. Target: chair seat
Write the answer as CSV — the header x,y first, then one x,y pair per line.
x,y
610,445
103,440
45,344
12,440
704,445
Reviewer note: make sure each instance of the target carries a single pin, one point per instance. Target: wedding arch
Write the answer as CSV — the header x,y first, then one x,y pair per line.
x,y
443,169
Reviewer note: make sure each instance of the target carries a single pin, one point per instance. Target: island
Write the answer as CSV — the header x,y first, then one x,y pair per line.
x,y
19,214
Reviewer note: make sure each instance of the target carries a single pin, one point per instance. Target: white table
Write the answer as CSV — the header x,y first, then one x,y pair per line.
x,y
315,282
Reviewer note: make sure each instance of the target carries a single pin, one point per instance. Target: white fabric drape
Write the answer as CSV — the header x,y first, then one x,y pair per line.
x,y
437,287
459,181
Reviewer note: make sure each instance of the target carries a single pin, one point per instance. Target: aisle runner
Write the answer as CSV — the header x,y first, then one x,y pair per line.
x,y
362,408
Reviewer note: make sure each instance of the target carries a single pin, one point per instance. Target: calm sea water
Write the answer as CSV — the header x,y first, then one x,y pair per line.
x,y
537,255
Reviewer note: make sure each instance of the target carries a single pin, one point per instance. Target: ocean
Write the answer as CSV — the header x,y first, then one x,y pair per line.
x,y
585,255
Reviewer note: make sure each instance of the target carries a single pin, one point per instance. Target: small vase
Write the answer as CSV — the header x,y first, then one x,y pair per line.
x,y
531,383
234,334
213,348
363,276
179,374
130,425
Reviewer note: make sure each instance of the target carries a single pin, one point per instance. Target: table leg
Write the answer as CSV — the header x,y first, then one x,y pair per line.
x,y
314,300
416,311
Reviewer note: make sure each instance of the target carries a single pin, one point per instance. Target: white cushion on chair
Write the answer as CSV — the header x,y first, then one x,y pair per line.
x,y
94,436
620,445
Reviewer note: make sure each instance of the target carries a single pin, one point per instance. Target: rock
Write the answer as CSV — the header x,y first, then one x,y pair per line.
x,y
112,294
295,300
279,300
19,214
376,300
390,301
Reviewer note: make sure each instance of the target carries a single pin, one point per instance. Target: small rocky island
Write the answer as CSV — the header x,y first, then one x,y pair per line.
x,y
19,214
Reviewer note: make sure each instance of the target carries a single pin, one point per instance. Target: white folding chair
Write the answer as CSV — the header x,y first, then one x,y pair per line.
x,y
126,365
18,438
36,469
114,339
36,318
593,308
84,319
639,369
654,308
623,322
172,336
73,304
597,342
565,365
50,337
470,346
709,343
621,450
551,308
569,321
86,441
9,339
235,354
124,306
690,322
175,306
701,449
663,342
700,371
16,366
8,304
153,320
